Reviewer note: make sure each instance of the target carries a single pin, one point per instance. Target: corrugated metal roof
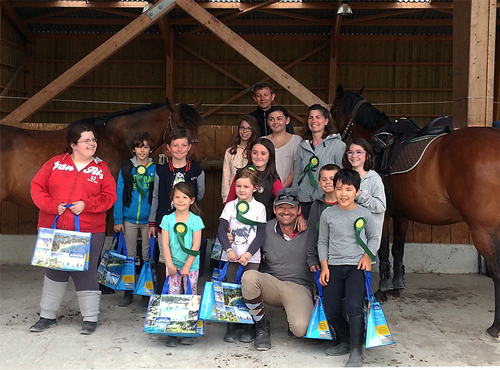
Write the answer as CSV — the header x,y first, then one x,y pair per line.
x,y
113,22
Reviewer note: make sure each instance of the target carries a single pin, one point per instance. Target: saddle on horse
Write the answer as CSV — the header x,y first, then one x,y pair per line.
x,y
401,144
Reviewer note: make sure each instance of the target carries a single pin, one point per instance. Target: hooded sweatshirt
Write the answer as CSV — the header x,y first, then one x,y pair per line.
x,y
317,208
139,209
58,181
329,151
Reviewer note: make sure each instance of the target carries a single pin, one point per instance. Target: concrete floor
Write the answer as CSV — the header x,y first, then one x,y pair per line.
x,y
436,322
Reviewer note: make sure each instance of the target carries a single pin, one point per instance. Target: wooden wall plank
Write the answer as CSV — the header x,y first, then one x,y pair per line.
x,y
460,234
421,233
441,234
10,218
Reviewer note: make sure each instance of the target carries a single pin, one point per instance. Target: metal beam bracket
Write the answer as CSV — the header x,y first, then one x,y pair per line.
x,y
159,8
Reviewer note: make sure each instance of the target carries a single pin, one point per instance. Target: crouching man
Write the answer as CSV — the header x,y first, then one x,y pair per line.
x,y
285,280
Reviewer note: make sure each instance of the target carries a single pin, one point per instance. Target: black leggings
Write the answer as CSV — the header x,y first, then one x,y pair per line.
x,y
232,269
345,281
83,280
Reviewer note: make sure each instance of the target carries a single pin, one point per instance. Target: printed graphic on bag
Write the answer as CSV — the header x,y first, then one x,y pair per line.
x,y
61,249
177,314
110,269
377,330
216,250
229,303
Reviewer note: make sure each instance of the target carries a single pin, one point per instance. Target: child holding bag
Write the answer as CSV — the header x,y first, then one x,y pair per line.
x,y
246,218
181,240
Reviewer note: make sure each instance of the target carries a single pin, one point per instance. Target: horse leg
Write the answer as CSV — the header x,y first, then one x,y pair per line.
x,y
385,282
398,248
487,243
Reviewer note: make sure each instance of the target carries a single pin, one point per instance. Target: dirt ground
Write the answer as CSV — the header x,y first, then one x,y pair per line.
x,y
436,322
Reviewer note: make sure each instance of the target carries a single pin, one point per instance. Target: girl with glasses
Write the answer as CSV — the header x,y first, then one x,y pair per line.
x,y
359,157
235,157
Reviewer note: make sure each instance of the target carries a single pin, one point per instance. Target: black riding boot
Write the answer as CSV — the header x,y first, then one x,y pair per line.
x,y
398,281
161,276
262,341
248,335
230,335
357,329
127,299
343,337
385,283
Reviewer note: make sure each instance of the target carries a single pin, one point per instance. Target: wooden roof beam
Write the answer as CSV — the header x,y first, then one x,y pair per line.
x,y
88,63
249,52
11,13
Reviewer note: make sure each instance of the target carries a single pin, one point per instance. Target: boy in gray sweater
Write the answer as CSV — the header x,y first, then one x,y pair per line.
x,y
342,263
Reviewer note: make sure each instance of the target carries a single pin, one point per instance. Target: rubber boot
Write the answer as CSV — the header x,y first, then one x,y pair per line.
x,y
343,337
385,283
127,299
248,335
230,335
357,329
52,296
398,281
89,300
161,276
262,340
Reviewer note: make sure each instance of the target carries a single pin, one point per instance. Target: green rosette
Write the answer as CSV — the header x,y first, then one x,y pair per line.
x,y
359,225
139,178
313,163
180,229
242,207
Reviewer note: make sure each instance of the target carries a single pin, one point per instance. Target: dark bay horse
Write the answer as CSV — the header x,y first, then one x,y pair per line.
x,y
23,152
457,179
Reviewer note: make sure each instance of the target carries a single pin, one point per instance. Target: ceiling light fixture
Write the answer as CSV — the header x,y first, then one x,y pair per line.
x,y
344,9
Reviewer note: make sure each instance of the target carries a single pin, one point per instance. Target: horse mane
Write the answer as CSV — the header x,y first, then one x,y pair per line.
x,y
190,116
367,115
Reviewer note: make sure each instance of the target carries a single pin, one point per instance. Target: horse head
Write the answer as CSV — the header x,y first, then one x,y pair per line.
x,y
355,117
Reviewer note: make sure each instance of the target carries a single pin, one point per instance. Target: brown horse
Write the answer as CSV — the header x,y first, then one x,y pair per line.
x,y
458,179
23,152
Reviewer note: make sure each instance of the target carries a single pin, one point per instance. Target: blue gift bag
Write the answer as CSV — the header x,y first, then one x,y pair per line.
x,y
110,268
127,279
223,302
174,314
318,325
377,330
146,284
62,249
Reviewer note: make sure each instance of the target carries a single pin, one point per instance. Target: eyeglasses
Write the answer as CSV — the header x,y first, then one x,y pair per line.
x,y
357,153
245,129
88,141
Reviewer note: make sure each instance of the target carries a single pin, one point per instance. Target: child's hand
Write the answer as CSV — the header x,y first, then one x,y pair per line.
x,y
118,228
77,207
185,271
243,260
230,236
151,232
301,223
314,268
324,278
365,263
171,270
61,208
231,256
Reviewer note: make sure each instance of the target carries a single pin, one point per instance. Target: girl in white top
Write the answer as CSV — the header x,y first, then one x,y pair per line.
x,y
235,157
285,144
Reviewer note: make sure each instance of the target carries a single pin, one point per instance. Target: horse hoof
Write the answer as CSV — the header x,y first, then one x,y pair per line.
x,y
380,296
396,293
398,283
488,338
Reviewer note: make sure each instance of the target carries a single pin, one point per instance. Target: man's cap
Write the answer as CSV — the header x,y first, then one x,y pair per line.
x,y
288,196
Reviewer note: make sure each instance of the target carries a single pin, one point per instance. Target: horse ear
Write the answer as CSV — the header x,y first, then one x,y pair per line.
x,y
340,90
361,90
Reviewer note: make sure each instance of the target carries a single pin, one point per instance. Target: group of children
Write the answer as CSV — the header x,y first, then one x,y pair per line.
x,y
250,183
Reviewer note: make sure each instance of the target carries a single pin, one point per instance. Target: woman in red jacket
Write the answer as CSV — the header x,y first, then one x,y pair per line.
x,y
78,179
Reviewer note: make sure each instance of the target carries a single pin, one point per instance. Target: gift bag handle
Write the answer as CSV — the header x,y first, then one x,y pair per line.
x,y
189,290
77,219
368,285
317,274
151,251
122,245
239,273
